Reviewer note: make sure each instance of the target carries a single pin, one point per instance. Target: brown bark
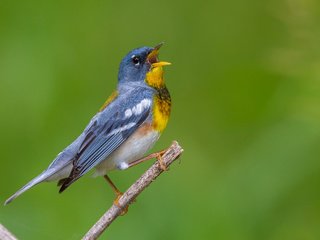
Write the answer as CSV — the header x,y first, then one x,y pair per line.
x,y
171,154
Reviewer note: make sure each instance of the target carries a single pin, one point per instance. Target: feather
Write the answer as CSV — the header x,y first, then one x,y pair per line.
x,y
104,140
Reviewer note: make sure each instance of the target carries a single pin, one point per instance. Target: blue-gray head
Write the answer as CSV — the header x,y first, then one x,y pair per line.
x,y
137,63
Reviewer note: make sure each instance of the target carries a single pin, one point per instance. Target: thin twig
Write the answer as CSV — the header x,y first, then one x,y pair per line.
x,y
172,153
5,234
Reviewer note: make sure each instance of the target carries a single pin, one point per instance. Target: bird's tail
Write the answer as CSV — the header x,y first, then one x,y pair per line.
x,y
42,177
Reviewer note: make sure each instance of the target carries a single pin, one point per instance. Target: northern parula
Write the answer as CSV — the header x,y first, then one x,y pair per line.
x,y
125,128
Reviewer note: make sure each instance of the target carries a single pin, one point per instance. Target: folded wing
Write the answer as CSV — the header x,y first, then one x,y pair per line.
x,y
104,138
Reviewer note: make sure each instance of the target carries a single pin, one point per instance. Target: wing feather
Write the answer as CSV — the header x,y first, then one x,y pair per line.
x,y
103,139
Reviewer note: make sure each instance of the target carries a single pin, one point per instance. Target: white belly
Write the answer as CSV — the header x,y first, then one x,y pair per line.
x,y
132,149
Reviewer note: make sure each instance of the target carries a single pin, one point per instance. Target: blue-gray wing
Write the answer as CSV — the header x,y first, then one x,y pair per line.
x,y
103,138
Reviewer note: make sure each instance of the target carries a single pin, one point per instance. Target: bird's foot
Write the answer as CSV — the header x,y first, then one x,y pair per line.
x,y
160,160
116,202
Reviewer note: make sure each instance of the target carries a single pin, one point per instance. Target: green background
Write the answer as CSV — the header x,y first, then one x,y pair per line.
x,y
245,83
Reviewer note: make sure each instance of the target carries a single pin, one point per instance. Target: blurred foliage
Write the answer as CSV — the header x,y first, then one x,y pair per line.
x,y
246,96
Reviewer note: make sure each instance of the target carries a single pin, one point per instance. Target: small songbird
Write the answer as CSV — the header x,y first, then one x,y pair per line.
x,y
125,128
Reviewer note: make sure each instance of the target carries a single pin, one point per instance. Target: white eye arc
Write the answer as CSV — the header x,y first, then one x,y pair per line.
x,y
136,60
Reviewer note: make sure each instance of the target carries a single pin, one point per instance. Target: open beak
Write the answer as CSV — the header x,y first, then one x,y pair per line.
x,y
153,57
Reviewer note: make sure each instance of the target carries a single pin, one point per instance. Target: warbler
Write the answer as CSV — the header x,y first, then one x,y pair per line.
x,y
124,129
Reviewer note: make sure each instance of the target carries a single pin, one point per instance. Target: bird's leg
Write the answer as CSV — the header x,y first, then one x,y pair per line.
x,y
157,155
117,192
113,186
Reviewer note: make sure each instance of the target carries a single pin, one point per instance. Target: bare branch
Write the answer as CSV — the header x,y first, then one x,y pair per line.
x,y
5,234
172,153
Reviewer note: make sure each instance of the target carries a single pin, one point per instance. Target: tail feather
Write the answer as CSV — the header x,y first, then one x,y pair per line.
x,y
65,184
40,178
61,181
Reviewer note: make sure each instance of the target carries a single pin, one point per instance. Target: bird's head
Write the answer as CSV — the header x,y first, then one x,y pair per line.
x,y
142,65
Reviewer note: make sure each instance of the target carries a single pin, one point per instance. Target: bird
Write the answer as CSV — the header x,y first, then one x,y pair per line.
x,y
127,125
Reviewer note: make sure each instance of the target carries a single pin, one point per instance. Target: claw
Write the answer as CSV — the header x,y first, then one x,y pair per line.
x,y
116,202
161,163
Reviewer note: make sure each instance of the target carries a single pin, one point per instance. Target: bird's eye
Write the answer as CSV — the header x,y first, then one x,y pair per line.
x,y
135,60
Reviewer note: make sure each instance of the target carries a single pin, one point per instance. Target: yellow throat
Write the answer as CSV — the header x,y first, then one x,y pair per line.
x,y
162,100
